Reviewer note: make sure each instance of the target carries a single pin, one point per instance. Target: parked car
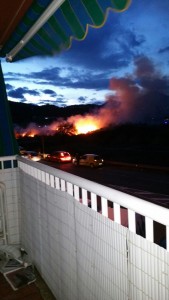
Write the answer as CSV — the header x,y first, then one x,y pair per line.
x,y
33,155
91,160
59,156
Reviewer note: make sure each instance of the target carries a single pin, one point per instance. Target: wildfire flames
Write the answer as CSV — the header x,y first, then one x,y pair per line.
x,y
85,124
74,125
28,132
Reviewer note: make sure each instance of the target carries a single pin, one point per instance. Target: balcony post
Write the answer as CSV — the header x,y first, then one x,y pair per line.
x,y
132,220
167,238
149,229
104,207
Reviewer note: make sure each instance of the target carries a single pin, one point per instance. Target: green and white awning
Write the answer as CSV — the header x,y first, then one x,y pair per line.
x,y
48,27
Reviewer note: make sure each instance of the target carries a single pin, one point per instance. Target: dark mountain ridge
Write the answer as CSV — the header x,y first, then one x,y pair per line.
x,y
24,114
148,108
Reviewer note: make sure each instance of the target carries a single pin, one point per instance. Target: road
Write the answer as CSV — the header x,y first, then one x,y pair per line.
x,y
151,185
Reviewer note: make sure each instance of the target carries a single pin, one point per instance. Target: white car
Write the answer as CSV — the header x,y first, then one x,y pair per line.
x,y
91,160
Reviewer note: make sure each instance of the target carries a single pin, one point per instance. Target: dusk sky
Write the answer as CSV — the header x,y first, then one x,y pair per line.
x,y
128,56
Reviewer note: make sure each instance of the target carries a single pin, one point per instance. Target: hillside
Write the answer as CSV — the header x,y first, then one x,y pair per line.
x,y
24,114
134,143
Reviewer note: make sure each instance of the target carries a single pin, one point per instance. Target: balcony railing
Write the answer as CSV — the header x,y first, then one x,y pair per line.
x,y
122,208
89,241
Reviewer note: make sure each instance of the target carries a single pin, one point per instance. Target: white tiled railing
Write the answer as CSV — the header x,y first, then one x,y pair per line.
x,y
118,206
89,241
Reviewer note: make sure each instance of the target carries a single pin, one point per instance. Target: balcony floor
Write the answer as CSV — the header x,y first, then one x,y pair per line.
x,y
34,291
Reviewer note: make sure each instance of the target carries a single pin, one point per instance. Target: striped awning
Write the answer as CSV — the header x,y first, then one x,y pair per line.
x,y
48,27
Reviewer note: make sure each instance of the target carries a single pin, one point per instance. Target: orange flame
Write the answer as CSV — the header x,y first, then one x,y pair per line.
x,y
26,133
83,126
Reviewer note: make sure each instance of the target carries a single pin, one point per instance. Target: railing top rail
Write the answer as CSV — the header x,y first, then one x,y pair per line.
x,y
143,207
11,157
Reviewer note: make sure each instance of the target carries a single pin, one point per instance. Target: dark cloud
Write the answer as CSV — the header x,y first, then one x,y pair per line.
x,y
90,83
33,92
23,100
49,92
20,92
17,93
133,39
95,101
58,101
164,50
76,79
9,86
49,74
61,99
45,102
82,99
12,76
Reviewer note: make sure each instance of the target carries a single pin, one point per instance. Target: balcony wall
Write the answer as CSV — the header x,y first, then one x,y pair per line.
x,y
9,201
89,241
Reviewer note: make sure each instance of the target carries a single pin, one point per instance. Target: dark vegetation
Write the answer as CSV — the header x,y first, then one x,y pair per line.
x,y
133,143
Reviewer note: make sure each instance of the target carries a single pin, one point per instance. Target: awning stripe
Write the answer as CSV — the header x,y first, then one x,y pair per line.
x,y
79,9
28,52
95,12
70,21
58,29
58,37
39,46
63,23
47,39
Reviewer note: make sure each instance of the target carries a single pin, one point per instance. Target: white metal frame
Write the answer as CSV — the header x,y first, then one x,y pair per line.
x,y
55,4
